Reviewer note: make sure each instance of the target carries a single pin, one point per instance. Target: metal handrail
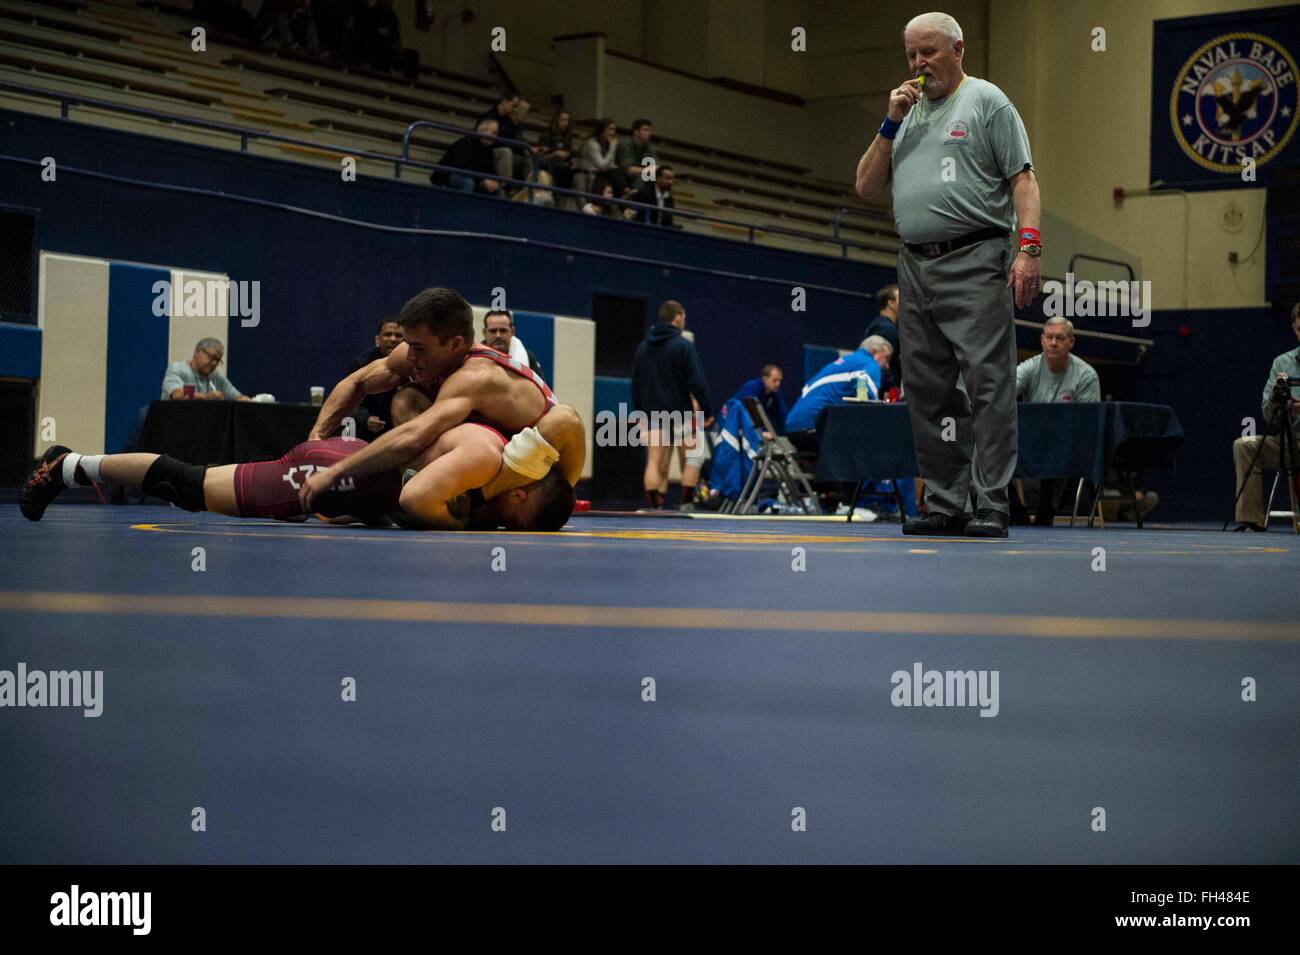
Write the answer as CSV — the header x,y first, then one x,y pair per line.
x,y
246,135
1069,266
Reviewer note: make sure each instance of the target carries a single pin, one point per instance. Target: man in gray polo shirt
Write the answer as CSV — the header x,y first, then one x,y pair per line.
x,y
200,375
956,154
1057,374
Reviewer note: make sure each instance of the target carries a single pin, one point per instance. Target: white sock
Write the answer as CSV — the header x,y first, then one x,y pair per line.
x,y
89,468
70,468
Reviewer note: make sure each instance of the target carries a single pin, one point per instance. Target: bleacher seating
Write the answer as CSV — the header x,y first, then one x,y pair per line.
x,y
139,54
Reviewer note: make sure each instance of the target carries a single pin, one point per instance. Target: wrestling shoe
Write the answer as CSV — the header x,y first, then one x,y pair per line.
x,y
937,525
44,484
987,522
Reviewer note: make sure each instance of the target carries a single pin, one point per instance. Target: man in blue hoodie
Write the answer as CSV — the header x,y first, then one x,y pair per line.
x,y
767,389
666,375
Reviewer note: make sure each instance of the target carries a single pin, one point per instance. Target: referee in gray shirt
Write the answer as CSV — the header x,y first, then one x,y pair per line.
x,y
955,153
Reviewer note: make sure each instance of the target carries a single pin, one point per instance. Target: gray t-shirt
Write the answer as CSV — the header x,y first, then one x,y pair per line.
x,y
179,373
1036,382
979,129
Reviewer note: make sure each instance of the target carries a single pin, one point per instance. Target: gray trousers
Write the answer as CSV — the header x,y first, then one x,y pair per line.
x,y
956,317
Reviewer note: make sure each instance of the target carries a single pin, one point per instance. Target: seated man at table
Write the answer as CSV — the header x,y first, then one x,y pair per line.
x,y
1055,375
471,478
767,389
832,384
198,378
375,413
1250,505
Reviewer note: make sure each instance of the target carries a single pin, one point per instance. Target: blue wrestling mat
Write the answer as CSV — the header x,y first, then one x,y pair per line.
x,y
641,690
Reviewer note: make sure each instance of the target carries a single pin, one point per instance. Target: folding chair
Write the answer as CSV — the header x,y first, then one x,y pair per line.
x,y
777,459
1269,513
1094,512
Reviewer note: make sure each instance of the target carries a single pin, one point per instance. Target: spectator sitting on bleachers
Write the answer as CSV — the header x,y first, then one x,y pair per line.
x,y
227,14
626,173
200,376
343,26
1055,375
511,163
381,36
606,206
832,384
885,324
374,415
598,156
292,23
556,145
472,153
657,192
767,389
499,335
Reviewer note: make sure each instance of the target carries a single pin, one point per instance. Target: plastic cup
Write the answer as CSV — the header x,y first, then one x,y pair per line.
x,y
317,395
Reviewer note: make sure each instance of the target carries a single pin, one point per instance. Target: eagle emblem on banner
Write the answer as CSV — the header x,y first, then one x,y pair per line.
x,y
1233,100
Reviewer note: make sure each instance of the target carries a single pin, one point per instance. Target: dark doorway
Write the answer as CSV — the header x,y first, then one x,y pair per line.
x,y
620,326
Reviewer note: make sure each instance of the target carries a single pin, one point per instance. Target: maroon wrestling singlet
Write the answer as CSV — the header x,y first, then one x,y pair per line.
x,y
270,488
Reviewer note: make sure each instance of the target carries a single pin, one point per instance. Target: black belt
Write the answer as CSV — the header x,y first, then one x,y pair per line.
x,y
932,250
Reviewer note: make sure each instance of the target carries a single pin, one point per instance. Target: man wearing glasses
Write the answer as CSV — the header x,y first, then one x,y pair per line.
x,y
198,378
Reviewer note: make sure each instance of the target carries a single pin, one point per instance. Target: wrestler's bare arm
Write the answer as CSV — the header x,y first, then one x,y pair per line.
x,y
382,374
466,458
459,395
563,430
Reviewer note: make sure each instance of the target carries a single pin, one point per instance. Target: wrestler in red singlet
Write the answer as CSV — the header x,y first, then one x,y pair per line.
x,y
512,365
270,488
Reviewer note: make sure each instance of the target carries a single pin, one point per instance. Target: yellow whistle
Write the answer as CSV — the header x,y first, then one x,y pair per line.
x,y
920,82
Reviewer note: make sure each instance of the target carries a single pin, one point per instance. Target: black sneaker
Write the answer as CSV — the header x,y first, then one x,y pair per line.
x,y
987,522
936,525
1261,528
44,484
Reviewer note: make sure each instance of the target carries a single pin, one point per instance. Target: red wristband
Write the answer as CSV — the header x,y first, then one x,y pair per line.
x,y
1029,237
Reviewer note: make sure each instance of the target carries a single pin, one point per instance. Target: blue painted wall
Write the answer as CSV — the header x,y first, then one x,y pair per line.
x,y
137,348
20,351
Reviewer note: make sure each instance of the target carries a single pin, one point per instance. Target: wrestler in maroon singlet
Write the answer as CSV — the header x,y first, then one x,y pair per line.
x,y
270,488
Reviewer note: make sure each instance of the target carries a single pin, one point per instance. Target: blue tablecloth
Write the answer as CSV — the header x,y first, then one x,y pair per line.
x,y
873,442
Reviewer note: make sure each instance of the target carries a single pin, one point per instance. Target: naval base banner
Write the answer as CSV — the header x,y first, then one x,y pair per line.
x,y
1223,99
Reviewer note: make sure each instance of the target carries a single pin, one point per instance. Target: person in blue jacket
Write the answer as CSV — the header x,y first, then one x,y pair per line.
x,y
833,383
767,389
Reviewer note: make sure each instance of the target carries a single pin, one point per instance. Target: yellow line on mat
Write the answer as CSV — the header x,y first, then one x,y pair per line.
x,y
737,540
614,618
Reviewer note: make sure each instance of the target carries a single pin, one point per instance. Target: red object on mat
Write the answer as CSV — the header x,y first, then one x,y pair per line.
x,y
581,505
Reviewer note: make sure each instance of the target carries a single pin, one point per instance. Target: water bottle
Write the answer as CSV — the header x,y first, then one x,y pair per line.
x,y
863,394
